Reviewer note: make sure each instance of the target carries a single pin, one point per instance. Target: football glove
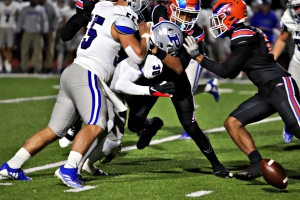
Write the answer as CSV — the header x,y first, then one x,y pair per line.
x,y
191,47
163,89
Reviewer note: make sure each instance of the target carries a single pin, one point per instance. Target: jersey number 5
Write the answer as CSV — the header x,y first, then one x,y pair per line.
x,y
92,33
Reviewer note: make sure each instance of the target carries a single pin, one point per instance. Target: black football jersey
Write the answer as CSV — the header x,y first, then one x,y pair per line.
x,y
250,52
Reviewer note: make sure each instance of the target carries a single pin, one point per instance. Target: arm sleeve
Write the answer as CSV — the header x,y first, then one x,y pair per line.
x,y
126,84
231,67
73,26
184,58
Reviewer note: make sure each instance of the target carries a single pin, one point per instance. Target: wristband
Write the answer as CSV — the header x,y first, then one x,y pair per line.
x,y
160,54
145,35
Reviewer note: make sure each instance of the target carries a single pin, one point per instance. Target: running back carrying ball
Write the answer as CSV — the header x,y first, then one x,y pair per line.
x,y
273,173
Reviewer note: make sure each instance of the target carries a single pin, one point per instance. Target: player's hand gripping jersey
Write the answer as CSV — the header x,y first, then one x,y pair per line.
x,y
98,48
292,27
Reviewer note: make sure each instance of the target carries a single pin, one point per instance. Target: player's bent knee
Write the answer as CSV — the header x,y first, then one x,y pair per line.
x,y
232,123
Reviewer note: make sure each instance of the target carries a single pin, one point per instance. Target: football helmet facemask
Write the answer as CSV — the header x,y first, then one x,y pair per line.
x,y
187,9
294,10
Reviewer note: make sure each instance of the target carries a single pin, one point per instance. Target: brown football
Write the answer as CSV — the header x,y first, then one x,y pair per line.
x,y
273,173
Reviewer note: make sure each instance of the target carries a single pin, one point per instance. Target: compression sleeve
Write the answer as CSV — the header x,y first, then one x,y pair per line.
x,y
73,25
126,84
232,66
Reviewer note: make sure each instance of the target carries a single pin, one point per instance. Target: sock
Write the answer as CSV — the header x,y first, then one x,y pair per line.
x,y
89,166
73,160
254,157
207,88
202,141
19,159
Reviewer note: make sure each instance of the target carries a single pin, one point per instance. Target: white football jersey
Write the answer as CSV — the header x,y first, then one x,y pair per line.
x,y
294,29
8,14
98,49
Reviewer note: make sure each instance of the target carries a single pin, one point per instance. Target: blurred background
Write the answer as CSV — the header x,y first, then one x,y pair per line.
x,y
34,45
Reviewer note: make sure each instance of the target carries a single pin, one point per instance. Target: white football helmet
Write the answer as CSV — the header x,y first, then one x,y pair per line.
x,y
136,5
167,36
294,9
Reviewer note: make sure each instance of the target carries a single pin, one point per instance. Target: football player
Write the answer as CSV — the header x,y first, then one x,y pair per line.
x,y
123,82
8,15
111,26
182,99
251,53
289,25
175,10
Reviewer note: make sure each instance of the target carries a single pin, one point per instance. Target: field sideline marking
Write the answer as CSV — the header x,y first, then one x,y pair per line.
x,y
133,147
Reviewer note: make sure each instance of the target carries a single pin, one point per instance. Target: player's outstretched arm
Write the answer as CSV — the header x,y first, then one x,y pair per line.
x,y
281,42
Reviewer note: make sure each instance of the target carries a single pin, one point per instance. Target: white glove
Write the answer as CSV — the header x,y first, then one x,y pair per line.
x,y
191,47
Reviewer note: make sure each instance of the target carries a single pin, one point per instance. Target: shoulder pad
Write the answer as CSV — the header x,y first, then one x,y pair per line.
x,y
159,13
197,32
125,25
152,67
242,35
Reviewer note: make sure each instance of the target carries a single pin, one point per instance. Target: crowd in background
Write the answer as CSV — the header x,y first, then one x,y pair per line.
x,y
35,27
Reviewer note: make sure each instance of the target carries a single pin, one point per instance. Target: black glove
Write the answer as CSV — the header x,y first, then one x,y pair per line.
x,y
151,44
163,89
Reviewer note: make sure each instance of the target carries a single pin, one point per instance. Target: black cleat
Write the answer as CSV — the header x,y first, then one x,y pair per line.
x,y
153,125
99,172
249,174
222,172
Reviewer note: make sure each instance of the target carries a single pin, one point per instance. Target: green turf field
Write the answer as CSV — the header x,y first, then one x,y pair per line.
x,y
168,170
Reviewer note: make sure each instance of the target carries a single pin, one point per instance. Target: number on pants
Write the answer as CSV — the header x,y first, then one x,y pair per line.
x,y
92,33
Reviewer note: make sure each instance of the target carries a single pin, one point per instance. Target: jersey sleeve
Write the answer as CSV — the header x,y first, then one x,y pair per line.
x,y
125,83
125,25
231,67
74,24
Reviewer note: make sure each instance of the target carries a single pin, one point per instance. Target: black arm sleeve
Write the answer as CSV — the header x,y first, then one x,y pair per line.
x,y
232,66
73,26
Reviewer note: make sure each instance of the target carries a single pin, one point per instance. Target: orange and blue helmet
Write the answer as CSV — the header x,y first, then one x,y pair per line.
x,y
226,14
177,8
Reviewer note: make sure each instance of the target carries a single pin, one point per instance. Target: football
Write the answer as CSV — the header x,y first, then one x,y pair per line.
x,y
274,173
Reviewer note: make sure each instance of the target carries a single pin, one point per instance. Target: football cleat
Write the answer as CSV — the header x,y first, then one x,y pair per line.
x,y
214,83
99,172
184,136
69,177
287,135
222,172
250,173
16,174
152,126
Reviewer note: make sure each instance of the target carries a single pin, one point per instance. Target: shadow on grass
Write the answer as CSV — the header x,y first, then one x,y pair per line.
x,y
292,147
274,190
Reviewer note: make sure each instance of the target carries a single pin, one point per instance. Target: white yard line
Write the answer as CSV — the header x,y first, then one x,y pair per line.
x,y
199,193
28,99
87,187
159,141
8,184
